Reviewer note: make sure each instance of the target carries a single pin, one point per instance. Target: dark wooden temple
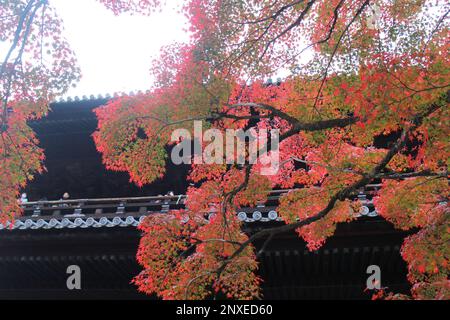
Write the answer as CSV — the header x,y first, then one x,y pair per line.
x,y
96,229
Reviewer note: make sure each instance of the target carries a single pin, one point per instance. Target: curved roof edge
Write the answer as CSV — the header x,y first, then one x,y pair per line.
x,y
117,94
98,96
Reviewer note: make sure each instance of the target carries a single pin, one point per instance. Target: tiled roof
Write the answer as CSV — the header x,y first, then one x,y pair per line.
x,y
127,212
130,93
74,222
97,96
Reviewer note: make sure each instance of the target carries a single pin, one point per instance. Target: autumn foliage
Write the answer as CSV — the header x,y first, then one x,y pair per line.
x,y
37,66
359,72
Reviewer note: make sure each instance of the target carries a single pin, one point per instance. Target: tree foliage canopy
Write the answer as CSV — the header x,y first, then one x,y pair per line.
x,y
358,71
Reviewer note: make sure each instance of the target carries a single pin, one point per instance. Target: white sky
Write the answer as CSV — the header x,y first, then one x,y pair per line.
x,y
115,52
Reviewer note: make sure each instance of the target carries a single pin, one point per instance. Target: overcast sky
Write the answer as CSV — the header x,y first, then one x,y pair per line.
x,y
114,52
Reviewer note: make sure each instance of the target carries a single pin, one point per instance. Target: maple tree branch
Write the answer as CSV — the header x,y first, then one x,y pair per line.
x,y
186,291
23,23
228,197
333,24
199,241
344,32
298,125
275,112
251,43
289,28
435,29
272,16
331,168
330,31
16,39
340,195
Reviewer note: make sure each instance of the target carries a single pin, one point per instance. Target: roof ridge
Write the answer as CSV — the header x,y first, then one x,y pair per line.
x,y
98,96
116,94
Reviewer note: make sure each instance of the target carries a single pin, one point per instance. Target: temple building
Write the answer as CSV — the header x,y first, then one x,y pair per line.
x,y
79,213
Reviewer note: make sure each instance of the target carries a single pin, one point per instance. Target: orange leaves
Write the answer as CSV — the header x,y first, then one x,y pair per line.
x,y
37,66
20,160
219,242
256,191
428,256
201,172
131,138
434,153
332,17
402,82
404,9
305,203
336,164
133,132
182,251
181,254
302,204
43,65
165,238
413,202
202,199
288,175
383,62
212,192
437,290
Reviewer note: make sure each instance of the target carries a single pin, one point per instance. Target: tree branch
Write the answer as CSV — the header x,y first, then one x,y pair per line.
x,y
340,195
